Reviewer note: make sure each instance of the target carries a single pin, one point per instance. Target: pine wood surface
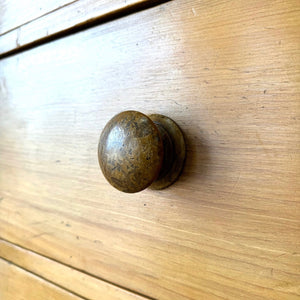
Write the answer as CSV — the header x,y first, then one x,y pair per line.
x,y
228,74
18,284
15,13
35,27
70,279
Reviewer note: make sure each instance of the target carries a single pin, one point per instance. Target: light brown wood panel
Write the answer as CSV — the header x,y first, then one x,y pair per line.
x,y
73,280
228,74
18,284
73,16
14,13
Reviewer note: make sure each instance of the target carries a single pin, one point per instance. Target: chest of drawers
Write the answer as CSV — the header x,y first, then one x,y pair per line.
x,y
228,74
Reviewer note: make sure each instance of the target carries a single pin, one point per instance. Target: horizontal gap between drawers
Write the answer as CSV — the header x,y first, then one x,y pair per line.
x,y
55,261
101,19
43,278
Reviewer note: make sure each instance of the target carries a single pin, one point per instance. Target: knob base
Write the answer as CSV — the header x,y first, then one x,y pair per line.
x,y
174,151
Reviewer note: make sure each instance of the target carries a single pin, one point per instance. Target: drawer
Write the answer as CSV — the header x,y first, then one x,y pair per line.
x,y
228,74
29,23
12,277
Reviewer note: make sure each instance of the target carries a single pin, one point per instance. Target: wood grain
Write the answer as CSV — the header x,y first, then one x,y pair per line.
x,y
69,17
18,284
68,278
15,13
228,74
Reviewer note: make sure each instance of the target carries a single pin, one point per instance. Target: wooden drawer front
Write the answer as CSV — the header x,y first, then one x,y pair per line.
x,y
27,23
18,284
228,74
67,278
16,13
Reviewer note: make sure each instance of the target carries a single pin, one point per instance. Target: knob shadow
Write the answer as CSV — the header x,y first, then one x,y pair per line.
x,y
198,159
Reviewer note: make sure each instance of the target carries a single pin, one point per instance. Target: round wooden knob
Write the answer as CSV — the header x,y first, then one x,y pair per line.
x,y
136,151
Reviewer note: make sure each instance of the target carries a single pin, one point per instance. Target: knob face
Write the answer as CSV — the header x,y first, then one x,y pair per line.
x,y
130,151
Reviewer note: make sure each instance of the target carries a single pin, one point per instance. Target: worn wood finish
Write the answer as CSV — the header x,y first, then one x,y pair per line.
x,y
15,13
68,278
18,284
69,17
228,73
